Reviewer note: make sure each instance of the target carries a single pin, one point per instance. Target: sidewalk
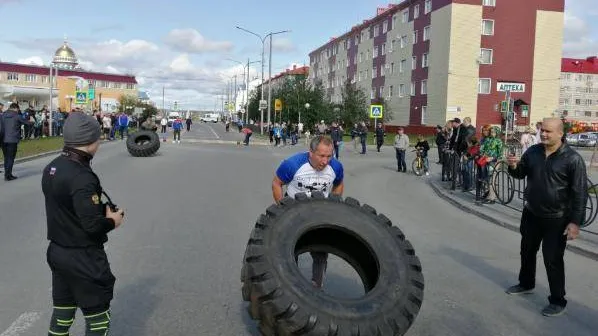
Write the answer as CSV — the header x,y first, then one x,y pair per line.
x,y
508,217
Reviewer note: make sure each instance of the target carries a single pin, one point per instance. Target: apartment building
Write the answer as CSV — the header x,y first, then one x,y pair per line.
x,y
579,89
434,60
287,75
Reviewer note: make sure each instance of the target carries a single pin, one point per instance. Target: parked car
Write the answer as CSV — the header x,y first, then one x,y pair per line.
x,y
586,140
572,139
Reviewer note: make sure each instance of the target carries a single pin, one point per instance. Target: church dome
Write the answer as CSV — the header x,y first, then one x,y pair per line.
x,y
65,57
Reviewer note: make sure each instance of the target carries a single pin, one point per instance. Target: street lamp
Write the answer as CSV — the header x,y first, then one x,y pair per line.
x,y
263,40
306,108
245,98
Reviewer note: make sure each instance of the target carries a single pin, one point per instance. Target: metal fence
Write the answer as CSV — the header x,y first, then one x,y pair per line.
x,y
509,191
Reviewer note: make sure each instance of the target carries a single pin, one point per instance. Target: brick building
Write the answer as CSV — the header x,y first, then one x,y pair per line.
x,y
433,60
579,89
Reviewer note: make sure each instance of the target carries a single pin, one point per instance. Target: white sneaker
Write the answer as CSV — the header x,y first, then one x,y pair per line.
x,y
427,174
173,141
179,141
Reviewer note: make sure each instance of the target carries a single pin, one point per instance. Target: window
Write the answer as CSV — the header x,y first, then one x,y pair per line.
x,y
427,6
405,16
30,78
12,76
393,45
390,91
384,27
487,27
376,28
401,90
425,60
484,85
359,77
426,33
394,21
383,70
416,11
486,56
372,93
392,68
424,114
375,52
360,57
414,63
383,48
402,66
374,72
415,36
424,88
412,89
381,92
491,3
403,41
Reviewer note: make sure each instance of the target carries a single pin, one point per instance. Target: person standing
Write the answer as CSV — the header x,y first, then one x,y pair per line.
x,y
189,122
441,139
163,124
401,145
336,134
379,136
315,170
12,121
77,227
177,126
556,197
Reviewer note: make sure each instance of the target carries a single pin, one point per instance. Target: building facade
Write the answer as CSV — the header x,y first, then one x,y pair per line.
x,y
30,84
579,89
292,74
434,60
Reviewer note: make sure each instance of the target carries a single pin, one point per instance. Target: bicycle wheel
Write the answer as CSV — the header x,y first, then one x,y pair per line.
x,y
417,166
502,183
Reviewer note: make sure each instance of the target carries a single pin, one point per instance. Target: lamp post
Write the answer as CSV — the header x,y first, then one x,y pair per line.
x,y
245,98
263,40
306,108
53,77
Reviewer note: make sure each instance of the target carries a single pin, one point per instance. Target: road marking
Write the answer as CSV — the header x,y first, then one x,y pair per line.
x,y
21,324
213,132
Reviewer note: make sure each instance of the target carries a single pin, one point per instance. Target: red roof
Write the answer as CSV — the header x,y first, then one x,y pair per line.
x,y
290,72
585,66
45,71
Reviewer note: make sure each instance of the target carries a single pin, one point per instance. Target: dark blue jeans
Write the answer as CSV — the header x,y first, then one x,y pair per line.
x,y
401,164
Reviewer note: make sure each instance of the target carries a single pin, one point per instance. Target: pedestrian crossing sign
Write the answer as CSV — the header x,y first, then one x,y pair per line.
x,y
376,111
81,97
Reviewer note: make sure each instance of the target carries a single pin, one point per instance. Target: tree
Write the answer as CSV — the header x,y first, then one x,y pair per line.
x,y
387,113
354,106
127,100
148,110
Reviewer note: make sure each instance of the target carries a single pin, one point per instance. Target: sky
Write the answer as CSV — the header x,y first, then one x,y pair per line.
x,y
184,46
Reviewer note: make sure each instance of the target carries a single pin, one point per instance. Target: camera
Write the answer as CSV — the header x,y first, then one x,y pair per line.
x,y
113,207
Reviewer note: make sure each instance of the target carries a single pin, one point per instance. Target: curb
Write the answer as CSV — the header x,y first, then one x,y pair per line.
x,y
227,142
508,225
33,157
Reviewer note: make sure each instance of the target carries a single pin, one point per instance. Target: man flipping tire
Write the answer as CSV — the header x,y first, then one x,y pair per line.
x,y
315,170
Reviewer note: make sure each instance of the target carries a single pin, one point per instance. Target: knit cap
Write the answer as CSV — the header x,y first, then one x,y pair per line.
x,y
80,129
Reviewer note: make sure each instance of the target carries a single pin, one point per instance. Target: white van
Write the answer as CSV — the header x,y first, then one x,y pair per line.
x,y
210,117
172,117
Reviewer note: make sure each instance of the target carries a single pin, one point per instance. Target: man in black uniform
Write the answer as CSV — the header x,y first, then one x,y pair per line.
x,y
556,197
78,224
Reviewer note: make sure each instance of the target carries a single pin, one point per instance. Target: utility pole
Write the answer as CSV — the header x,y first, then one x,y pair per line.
x,y
270,80
163,110
235,96
246,105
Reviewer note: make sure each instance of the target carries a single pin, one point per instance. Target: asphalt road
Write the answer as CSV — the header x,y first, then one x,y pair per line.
x,y
189,211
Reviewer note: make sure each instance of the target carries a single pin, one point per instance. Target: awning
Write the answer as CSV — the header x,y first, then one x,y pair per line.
x,y
26,91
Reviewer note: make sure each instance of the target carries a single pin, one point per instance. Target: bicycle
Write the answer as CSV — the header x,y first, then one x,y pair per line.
x,y
418,165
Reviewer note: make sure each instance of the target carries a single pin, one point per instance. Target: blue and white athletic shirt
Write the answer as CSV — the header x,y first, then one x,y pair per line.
x,y
300,176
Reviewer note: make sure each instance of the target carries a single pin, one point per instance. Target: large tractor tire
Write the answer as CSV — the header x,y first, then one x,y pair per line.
x,y
287,304
143,143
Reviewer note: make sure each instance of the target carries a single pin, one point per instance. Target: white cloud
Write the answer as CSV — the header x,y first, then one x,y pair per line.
x,y
34,60
191,41
579,39
281,45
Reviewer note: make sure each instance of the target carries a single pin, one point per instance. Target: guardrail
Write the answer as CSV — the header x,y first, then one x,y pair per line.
x,y
509,191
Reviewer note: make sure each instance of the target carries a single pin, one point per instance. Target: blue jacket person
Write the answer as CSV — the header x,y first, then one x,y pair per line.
x,y
78,224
